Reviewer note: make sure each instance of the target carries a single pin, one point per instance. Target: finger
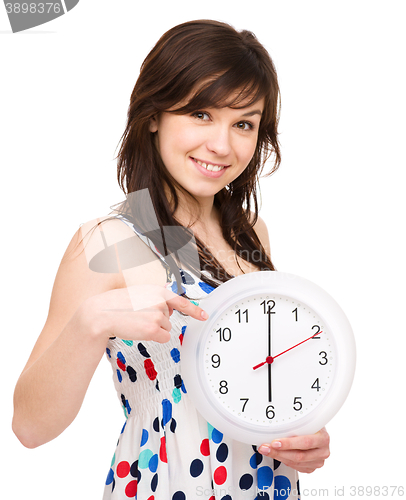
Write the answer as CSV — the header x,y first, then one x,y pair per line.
x,y
308,442
184,306
162,335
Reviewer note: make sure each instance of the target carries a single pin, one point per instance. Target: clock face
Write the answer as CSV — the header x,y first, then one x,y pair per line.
x,y
276,357
287,387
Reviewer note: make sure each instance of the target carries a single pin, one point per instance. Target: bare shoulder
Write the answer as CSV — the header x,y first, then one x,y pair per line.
x,y
108,254
91,265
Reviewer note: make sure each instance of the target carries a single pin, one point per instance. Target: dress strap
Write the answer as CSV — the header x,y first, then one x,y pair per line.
x,y
167,261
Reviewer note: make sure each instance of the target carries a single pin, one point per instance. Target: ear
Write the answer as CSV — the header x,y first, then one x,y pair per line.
x,y
153,124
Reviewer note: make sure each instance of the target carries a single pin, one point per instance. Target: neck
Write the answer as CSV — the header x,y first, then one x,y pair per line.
x,y
202,214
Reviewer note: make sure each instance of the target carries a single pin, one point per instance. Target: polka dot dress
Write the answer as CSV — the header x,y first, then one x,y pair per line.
x,y
166,450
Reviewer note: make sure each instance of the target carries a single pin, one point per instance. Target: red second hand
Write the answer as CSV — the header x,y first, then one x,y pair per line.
x,y
270,359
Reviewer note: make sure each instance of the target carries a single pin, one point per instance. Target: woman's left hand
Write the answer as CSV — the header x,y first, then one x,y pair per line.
x,y
303,453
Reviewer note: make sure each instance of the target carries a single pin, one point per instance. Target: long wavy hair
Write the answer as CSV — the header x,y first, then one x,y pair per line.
x,y
203,64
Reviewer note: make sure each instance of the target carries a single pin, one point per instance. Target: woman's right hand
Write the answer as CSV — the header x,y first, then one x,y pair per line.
x,y
138,312
87,308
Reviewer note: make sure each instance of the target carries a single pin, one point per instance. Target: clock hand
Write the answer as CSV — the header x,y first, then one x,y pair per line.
x,y
269,355
270,359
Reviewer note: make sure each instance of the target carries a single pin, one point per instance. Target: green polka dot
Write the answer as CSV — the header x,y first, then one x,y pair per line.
x,y
113,460
144,458
210,429
177,395
128,342
195,302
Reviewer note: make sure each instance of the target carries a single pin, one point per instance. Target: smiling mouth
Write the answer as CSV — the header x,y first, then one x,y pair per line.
x,y
210,166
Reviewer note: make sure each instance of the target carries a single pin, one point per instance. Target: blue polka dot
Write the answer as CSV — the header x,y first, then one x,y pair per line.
x,y
120,378
196,468
144,437
134,470
226,497
121,357
205,287
246,481
127,405
282,487
154,482
122,430
262,495
174,288
177,381
108,352
173,425
184,329
153,463
132,373
186,278
183,388
175,355
255,460
143,350
166,411
222,453
155,424
216,436
265,477
110,477
179,495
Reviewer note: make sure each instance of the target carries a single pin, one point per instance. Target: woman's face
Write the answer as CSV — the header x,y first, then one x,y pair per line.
x,y
206,150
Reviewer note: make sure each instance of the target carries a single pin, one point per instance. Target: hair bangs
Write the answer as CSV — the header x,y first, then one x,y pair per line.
x,y
235,88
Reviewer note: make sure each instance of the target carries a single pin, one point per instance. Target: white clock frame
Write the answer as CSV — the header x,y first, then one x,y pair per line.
x,y
272,283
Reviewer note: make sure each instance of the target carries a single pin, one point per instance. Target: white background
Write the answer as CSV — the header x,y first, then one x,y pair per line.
x,y
335,209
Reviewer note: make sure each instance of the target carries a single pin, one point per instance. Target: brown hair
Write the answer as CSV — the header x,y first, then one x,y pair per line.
x,y
217,66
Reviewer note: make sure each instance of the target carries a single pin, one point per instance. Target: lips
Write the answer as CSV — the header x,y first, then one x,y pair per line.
x,y
209,169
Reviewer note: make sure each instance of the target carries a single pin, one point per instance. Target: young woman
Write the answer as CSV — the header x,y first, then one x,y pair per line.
x,y
201,123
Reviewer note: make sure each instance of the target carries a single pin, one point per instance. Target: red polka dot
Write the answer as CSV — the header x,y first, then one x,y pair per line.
x,y
162,450
121,365
205,448
220,475
150,369
212,498
181,339
123,469
151,497
131,489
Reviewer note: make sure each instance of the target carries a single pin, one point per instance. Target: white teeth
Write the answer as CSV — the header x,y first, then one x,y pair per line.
x,y
210,167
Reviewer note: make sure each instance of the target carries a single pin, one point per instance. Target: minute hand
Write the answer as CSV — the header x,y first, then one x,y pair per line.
x,y
270,359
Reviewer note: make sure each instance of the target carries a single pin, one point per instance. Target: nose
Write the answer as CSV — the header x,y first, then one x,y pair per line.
x,y
219,141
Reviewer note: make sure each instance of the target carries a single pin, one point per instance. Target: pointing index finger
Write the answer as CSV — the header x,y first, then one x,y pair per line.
x,y
183,305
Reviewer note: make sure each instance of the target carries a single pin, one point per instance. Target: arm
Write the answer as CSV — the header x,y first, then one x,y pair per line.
x,y
83,314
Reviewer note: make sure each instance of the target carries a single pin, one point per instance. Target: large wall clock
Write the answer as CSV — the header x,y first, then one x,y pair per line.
x,y
276,357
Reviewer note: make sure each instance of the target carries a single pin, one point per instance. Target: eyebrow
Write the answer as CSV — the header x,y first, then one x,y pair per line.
x,y
254,112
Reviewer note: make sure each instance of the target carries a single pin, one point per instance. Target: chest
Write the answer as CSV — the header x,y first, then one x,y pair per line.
x,y
231,262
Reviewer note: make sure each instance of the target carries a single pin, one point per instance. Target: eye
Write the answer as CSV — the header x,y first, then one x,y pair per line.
x,y
244,125
201,115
